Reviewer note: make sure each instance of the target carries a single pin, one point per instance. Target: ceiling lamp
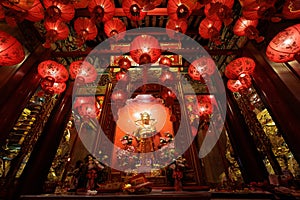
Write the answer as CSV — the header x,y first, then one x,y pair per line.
x,y
219,10
57,30
133,10
85,29
177,26
124,63
180,9
245,27
52,87
11,50
210,29
115,28
18,5
285,46
201,68
53,71
148,5
83,71
56,10
101,10
252,9
145,49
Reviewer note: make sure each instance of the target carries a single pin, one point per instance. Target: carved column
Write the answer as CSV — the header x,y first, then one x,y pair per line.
x,y
39,163
251,165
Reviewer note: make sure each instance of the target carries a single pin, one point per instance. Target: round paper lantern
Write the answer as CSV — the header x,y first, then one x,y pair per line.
x,y
11,50
85,29
19,5
57,30
201,68
115,28
284,45
83,70
205,106
246,27
145,49
180,9
133,10
165,61
52,88
176,26
239,66
219,10
83,100
56,10
168,95
238,85
258,10
148,4
167,77
124,63
101,10
88,110
209,29
36,13
50,69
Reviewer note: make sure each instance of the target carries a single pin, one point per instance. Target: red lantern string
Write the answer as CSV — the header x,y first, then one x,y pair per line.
x,y
11,50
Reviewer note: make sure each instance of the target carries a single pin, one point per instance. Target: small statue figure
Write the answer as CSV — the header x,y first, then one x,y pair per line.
x,y
93,167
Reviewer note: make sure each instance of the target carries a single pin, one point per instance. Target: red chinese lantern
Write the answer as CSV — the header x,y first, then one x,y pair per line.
x,y
205,106
57,30
11,50
145,49
82,100
239,66
36,13
83,70
209,29
245,27
201,68
56,10
285,45
101,10
168,96
122,76
148,5
133,10
52,70
219,10
176,26
124,63
238,85
165,61
258,9
291,9
52,87
115,28
85,29
166,77
118,96
88,110
19,5
180,9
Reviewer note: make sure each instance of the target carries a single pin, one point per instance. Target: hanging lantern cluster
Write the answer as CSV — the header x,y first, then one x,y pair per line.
x,y
11,50
54,76
145,49
285,46
85,29
201,68
238,71
247,27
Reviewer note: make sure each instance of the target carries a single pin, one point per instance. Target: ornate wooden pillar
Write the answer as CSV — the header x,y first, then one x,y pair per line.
x,y
39,163
18,90
251,165
278,87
